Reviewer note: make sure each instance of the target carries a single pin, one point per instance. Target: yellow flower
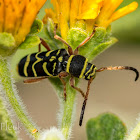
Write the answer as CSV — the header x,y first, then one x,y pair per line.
x,y
89,12
108,13
89,9
17,17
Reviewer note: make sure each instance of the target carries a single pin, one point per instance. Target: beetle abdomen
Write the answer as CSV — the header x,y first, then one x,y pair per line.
x,y
48,63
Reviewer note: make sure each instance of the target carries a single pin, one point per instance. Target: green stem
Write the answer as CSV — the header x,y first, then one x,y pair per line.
x,y
135,134
10,91
68,112
7,129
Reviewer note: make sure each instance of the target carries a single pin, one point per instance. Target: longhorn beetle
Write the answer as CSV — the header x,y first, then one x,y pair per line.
x,y
60,63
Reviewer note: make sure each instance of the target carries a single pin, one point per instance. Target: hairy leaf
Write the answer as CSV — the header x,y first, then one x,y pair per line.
x,y
106,126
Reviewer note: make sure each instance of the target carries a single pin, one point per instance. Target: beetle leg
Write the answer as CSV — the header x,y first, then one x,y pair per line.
x,y
61,76
44,44
28,81
76,88
62,40
85,41
84,103
39,47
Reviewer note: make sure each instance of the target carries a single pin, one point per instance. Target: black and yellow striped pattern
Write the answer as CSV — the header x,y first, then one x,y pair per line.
x,y
48,63
51,63
79,67
90,71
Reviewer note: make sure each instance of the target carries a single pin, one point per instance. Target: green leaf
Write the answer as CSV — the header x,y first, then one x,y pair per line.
x,y
100,48
6,40
99,35
30,41
49,35
99,43
51,42
97,39
75,37
7,44
50,27
36,27
106,126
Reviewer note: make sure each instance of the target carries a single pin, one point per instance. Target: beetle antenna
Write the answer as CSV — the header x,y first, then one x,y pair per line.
x,y
120,68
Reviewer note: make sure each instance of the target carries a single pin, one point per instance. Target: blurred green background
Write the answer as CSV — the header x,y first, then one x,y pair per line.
x,y
111,91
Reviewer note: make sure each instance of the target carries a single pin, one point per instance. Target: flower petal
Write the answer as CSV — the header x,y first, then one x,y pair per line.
x,y
90,25
50,14
109,7
30,11
124,11
13,14
64,16
56,7
74,12
90,9
1,15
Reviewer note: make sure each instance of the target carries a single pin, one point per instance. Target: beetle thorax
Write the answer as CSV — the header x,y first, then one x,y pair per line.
x,y
79,67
